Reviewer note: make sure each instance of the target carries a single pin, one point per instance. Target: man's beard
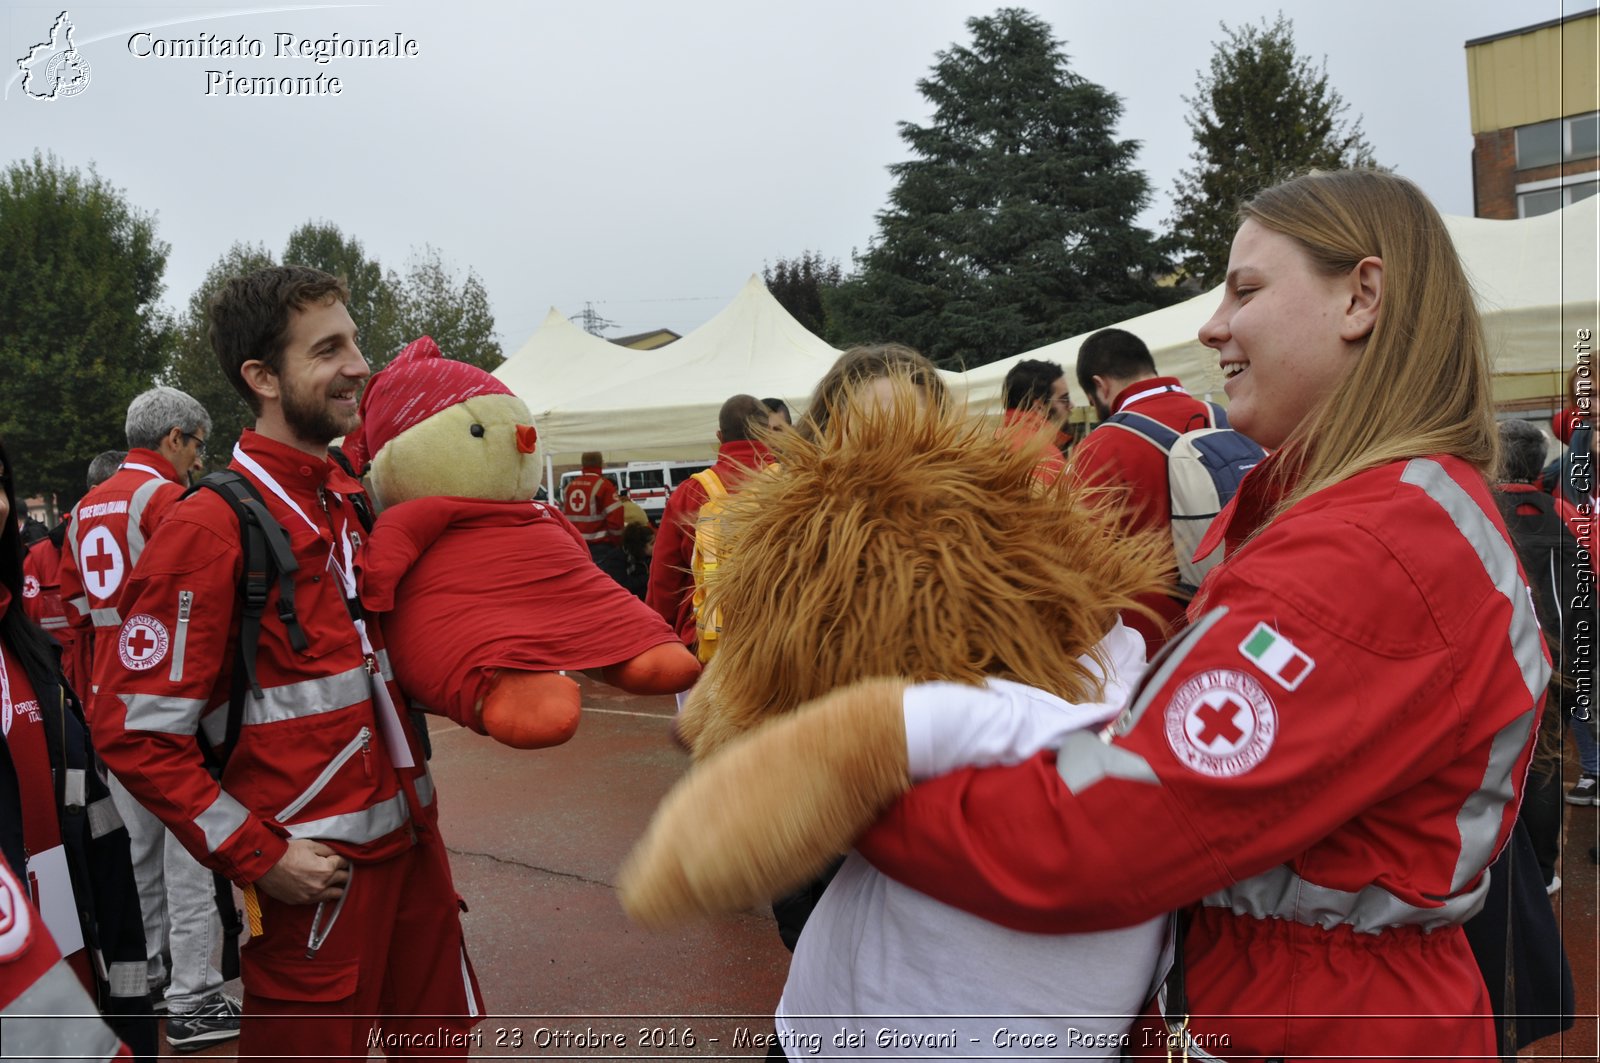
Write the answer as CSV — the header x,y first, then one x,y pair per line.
x,y
312,420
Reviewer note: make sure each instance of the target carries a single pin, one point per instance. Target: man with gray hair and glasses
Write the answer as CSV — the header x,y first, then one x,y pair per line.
x,y
167,432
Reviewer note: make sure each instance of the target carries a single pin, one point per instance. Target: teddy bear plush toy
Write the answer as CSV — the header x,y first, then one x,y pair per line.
x,y
913,543
486,595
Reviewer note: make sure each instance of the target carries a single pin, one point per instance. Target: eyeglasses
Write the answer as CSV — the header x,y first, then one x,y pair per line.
x,y
198,441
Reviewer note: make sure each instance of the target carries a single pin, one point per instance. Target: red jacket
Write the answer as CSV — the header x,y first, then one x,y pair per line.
x,y
325,754
42,601
1326,761
1136,472
671,588
110,528
592,505
46,1012
1021,428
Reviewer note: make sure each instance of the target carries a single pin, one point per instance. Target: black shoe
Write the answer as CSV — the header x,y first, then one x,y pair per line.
x,y
216,1019
1586,791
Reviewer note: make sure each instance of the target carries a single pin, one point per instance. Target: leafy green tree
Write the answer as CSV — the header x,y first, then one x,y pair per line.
x,y
81,332
374,298
1263,113
455,313
1013,226
193,366
799,284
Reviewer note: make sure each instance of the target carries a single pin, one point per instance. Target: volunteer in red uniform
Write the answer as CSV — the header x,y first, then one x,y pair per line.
x,y
325,811
41,589
69,910
166,431
1037,404
1116,371
1327,760
592,505
670,591
41,599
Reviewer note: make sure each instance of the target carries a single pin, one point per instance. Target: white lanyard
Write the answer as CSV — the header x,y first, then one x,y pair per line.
x,y
143,468
388,716
5,693
272,485
1149,392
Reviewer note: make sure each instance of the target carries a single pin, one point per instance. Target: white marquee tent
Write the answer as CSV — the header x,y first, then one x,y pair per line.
x,y
1535,281
1536,286
664,403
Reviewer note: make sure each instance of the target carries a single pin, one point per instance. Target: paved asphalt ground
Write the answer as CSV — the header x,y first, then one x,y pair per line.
x,y
536,838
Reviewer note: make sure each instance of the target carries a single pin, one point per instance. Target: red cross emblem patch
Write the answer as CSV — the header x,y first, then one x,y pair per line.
x,y
16,921
143,642
102,566
1221,723
30,587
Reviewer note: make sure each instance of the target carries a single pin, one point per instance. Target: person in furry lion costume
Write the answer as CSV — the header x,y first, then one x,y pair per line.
x,y
905,541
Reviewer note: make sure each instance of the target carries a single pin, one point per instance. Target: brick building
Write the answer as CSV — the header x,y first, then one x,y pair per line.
x,y
1535,99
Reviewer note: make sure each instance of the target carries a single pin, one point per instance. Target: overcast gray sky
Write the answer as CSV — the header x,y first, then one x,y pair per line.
x,y
641,155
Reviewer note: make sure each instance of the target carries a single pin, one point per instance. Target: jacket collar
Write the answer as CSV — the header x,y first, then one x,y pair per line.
x,y
295,470
1147,388
747,452
153,459
1260,492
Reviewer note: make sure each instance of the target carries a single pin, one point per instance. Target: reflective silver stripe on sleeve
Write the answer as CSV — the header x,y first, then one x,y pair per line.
x,y
1282,894
103,818
219,821
156,712
136,504
75,790
54,623
424,786
129,979
308,697
81,604
54,1018
1499,563
383,666
1480,818
1161,669
1085,758
1483,812
356,828
105,617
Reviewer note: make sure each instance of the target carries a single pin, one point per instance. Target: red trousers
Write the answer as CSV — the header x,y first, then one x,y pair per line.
x,y
391,973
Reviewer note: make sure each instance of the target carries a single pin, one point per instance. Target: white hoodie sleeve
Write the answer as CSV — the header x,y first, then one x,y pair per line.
x,y
950,726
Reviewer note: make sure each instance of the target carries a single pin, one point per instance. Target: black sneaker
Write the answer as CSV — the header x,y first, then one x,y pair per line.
x,y
216,1019
1586,791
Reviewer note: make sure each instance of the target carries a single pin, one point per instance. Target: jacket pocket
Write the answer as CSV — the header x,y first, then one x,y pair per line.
x,y
297,978
361,743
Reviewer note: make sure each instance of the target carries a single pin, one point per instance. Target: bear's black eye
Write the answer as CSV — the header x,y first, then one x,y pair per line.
x,y
477,431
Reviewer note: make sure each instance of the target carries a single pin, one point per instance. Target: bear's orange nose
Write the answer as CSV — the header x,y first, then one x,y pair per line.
x,y
527,438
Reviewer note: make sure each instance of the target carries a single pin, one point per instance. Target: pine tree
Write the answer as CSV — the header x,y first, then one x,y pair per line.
x,y
456,314
1013,226
800,286
1262,114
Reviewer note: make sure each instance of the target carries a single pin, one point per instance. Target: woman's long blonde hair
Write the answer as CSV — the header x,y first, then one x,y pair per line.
x,y
1422,385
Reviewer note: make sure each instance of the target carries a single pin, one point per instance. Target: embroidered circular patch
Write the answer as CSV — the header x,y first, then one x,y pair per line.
x,y
16,920
143,642
101,563
1221,723
30,587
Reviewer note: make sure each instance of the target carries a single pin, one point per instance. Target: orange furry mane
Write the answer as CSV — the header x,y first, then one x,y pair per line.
x,y
910,541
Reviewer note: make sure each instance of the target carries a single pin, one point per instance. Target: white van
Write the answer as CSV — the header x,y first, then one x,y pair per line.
x,y
650,483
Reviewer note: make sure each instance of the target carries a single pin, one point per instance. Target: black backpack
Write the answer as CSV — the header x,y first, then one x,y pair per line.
x,y
1555,569
267,556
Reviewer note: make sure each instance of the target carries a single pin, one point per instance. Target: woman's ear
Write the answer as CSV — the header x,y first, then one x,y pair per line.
x,y
1366,295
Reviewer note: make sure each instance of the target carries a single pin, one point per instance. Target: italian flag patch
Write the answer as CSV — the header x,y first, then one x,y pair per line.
x,y
1280,659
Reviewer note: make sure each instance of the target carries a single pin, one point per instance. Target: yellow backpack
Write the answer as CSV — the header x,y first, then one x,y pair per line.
x,y
703,561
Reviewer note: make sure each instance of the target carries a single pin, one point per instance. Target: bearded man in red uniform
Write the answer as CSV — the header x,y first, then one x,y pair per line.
x,y
325,810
